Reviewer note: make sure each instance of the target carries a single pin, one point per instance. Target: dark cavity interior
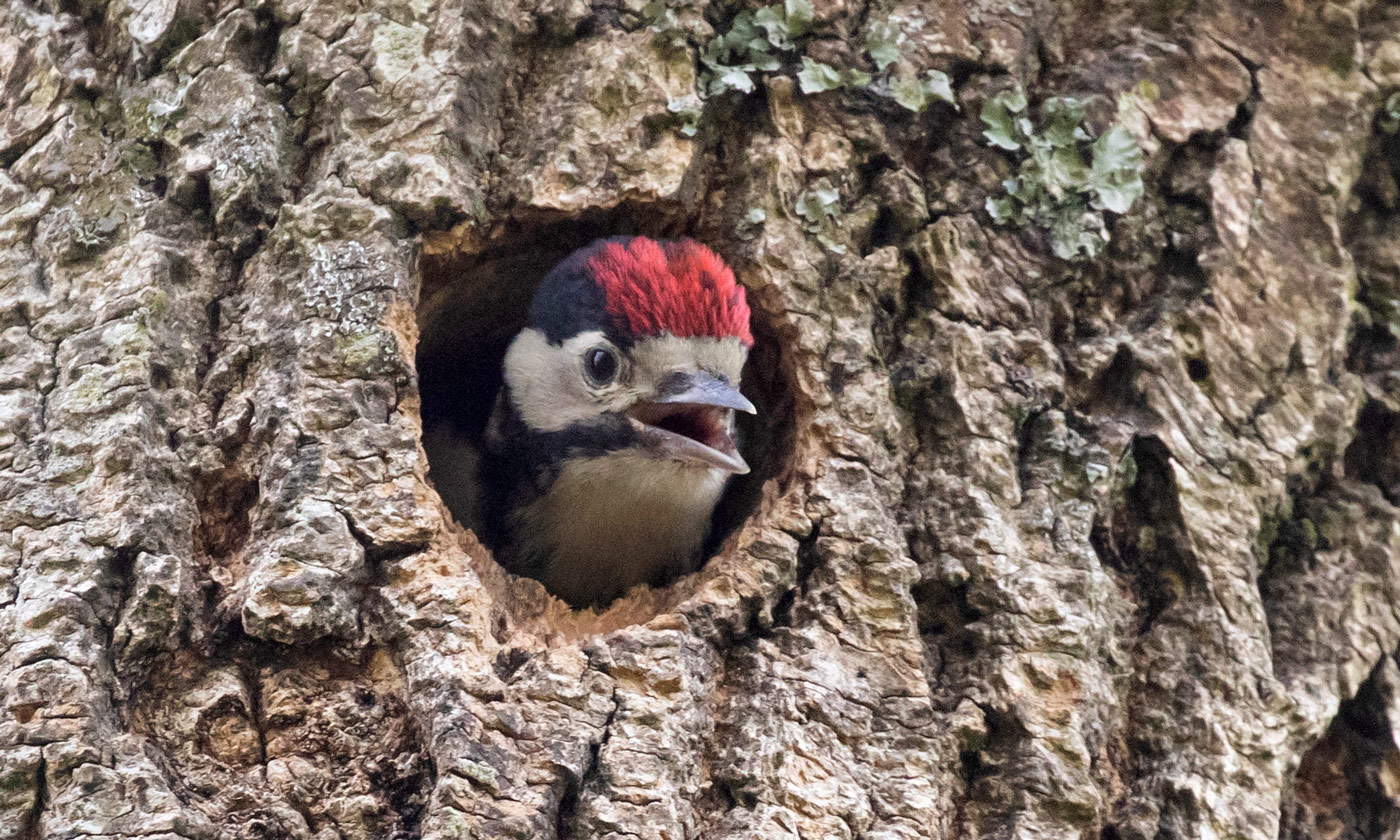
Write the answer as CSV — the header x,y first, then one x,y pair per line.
x,y
473,302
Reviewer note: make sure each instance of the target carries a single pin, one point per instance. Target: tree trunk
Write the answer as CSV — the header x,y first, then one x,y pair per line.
x,y
1103,546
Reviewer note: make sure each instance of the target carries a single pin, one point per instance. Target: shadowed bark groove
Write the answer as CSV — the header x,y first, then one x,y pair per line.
x,y
1034,548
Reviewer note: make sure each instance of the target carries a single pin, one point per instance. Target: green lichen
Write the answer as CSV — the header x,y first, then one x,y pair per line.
x,y
819,208
1389,120
359,350
1308,532
157,306
687,111
1066,179
884,42
1146,541
815,77
147,118
916,94
751,223
481,773
89,391
758,41
772,40
92,231
1126,476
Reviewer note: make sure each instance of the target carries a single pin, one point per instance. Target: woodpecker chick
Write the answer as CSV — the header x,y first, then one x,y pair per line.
x,y
613,435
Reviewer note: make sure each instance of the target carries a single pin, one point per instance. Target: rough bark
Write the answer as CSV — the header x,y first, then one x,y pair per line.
x,y
1035,549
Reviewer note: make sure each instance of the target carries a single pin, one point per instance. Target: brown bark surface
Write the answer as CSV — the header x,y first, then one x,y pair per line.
x,y
1034,548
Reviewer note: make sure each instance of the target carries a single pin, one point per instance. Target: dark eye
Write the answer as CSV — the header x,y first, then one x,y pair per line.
x,y
600,364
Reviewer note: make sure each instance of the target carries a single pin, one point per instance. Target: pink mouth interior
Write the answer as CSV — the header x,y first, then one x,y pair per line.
x,y
703,424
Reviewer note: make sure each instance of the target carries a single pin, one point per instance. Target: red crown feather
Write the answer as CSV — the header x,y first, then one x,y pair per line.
x,y
681,288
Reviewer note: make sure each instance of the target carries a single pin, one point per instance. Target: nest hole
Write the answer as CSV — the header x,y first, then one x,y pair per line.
x,y
474,298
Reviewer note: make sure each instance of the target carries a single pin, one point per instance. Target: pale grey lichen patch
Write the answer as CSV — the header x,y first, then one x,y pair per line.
x,y
398,50
243,135
594,122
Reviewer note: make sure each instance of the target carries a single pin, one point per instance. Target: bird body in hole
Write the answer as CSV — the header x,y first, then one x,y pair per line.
x,y
613,435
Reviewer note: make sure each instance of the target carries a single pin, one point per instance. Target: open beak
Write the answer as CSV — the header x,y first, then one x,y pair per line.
x,y
691,419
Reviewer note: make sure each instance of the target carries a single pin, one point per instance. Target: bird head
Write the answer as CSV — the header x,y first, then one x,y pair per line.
x,y
635,346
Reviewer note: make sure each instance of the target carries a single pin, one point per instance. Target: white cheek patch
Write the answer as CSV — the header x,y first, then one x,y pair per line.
x,y
546,381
